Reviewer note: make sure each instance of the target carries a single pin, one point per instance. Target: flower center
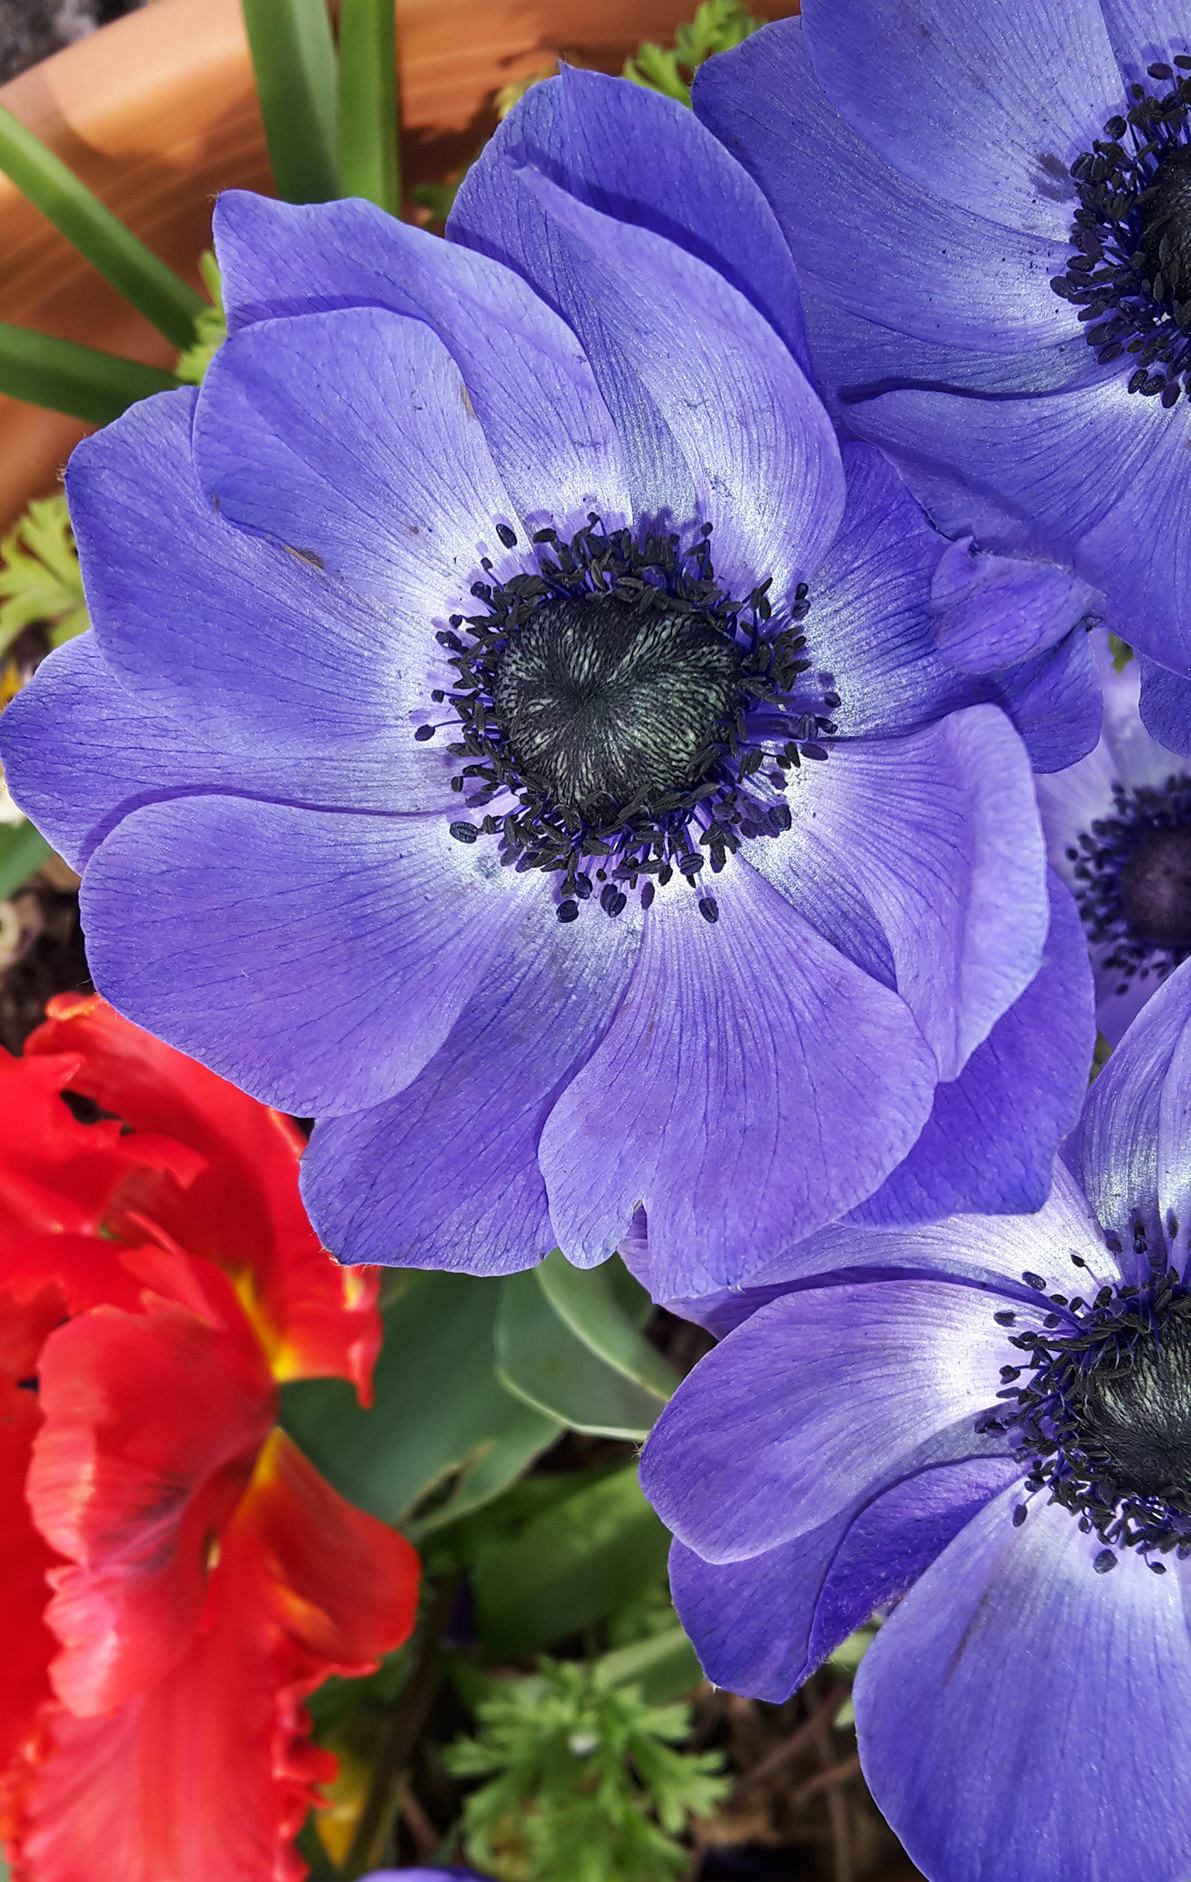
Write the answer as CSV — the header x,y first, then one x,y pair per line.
x,y
1103,1411
604,704
1133,880
621,721
1135,1412
1156,887
1130,273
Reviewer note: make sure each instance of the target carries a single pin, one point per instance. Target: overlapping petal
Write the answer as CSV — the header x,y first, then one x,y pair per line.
x,y
597,138
939,833
818,1402
520,363
864,234
242,1211
983,1148
209,1771
334,951
447,1173
1073,1683
137,1467
737,1093
982,85
763,1624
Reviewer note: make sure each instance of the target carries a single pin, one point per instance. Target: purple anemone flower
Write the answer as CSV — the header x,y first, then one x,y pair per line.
x,y
516,735
981,1429
990,211
1118,830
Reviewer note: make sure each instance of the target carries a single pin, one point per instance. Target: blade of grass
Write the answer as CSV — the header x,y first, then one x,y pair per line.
x,y
293,57
369,162
134,270
79,380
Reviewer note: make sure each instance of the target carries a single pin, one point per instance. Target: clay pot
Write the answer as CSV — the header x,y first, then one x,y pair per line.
x,y
157,113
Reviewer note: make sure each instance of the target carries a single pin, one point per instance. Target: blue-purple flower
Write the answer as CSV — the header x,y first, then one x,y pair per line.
x,y
516,735
990,213
983,1430
1118,830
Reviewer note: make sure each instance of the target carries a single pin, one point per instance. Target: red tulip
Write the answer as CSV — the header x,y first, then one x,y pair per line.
x,y
158,1279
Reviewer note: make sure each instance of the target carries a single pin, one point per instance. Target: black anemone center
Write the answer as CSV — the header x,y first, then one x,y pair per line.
x,y
1166,227
1156,887
1132,879
606,705
1129,270
1137,1414
1102,1417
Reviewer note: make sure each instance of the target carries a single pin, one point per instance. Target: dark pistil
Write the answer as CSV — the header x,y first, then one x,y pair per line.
x,y
1100,1405
605,706
1156,887
1132,879
1137,1415
1166,232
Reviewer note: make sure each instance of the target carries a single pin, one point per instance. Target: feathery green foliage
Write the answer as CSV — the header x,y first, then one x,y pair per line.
x,y
718,25
39,575
583,1780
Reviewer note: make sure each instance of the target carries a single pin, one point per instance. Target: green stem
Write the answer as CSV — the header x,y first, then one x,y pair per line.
x,y
404,1728
369,159
133,270
79,380
293,57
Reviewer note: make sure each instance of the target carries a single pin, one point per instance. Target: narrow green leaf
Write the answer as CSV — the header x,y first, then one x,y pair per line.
x,y
369,160
438,1408
578,1561
22,850
665,1666
541,1360
604,1307
293,57
133,270
78,380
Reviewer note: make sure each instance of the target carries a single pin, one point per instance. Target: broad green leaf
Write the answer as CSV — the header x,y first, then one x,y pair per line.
x,y
22,850
133,270
605,1308
438,1407
542,1361
579,1560
369,158
78,380
293,58
665,1666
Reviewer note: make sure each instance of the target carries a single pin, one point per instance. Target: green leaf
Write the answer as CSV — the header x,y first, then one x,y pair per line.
x,y
39,575
579,1560
541,1360
22,850
133,270
78,380
438,1408
605,1308
369,160
293,57
665,1666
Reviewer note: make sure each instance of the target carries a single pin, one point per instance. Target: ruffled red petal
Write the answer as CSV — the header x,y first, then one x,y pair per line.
x,y
207,1775
314,1318
153,1423
24,1561
60,1176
